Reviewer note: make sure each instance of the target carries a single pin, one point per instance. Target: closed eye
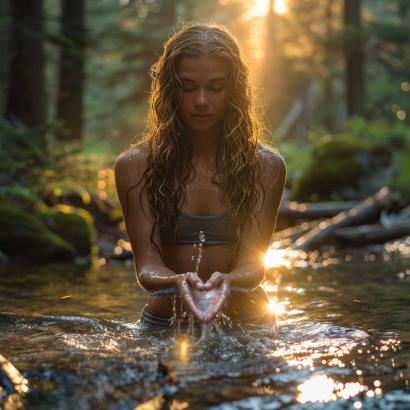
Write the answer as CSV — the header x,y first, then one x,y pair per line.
x,y
217,89
188,89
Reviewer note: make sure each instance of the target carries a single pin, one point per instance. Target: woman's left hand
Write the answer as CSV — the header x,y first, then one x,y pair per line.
x,y
220,281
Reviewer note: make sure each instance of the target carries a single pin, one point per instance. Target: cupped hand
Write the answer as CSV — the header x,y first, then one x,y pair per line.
x,y
204,300
187,284
216,280
219,284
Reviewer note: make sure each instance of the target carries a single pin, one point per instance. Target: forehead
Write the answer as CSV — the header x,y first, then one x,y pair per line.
x,y
204,67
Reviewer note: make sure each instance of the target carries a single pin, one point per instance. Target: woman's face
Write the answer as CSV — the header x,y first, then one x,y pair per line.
x,y
203,95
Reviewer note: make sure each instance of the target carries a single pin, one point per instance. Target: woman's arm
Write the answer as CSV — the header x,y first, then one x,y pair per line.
x,y
152,274
249,270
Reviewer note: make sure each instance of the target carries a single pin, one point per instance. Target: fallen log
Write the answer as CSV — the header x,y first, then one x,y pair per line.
x,y
393,219
365,212
294,211
286,237
366,234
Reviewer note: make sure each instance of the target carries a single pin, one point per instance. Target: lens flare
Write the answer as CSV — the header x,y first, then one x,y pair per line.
x,y
276,307
280,6
275,258
182,348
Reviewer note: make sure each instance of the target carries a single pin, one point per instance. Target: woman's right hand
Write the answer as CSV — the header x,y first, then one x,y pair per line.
x,y
186,283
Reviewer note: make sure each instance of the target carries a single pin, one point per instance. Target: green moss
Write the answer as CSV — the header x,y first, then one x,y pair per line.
x,y
24,236
74,225
401,181
344,169
17,195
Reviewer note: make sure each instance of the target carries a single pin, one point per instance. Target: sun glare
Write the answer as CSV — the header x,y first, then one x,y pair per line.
x,y
275,307
275,258
261,7
317,389
280,6
323,389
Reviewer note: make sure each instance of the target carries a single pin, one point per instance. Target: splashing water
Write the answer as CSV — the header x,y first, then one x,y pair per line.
x,y
206,329
343,343
201,238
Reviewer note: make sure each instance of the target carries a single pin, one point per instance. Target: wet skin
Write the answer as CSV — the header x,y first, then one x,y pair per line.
x,y
203,102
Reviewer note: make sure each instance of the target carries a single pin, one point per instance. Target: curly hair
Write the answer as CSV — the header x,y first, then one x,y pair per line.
x,y
169,151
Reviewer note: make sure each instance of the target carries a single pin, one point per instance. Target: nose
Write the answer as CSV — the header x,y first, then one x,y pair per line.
x,y
201,98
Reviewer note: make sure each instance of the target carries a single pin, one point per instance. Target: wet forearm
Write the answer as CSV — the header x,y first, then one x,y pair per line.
x,y
246,276
157,277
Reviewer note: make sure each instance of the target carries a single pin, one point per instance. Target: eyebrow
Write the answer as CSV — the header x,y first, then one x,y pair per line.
x,y
211,81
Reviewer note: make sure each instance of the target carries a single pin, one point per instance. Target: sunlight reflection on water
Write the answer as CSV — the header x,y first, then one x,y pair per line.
x,y
343,339
323,389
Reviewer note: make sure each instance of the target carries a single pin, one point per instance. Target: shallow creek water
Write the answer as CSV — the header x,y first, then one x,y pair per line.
x,y
342,341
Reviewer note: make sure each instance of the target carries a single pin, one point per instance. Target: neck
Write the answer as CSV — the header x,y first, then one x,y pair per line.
x,y
204,146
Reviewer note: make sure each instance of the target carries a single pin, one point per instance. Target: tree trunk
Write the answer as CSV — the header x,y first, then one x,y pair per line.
x,y
25,92
404,7
328,87
354,58
71,71
4,42
373,233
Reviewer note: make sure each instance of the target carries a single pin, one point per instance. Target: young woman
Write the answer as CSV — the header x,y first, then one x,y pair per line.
x,y
200,167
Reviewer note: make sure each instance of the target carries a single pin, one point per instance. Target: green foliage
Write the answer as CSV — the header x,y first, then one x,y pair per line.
x,y
295,157
359,128
20,151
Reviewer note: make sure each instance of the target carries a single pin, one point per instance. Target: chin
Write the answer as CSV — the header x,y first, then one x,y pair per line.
x,y
204,127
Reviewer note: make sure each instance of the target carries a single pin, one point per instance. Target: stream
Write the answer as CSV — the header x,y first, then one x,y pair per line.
x,y
342,340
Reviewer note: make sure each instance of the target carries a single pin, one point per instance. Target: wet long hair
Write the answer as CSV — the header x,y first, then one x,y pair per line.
x,y
169,153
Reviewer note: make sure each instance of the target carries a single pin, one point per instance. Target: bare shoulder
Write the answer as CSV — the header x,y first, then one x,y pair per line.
x,y
131,163
272,166
133,156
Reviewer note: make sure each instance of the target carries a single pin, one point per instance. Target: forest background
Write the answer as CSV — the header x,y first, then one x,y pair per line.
x,y
332,80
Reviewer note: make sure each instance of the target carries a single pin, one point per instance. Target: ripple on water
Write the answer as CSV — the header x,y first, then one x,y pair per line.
x,y
342,342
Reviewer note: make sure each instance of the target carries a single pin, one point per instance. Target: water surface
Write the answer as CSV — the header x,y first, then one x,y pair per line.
x,y
342,341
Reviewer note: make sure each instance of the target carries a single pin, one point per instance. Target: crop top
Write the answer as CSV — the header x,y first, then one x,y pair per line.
x,y
217,229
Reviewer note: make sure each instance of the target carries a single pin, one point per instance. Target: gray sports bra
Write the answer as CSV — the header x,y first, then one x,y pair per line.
x,y
217,229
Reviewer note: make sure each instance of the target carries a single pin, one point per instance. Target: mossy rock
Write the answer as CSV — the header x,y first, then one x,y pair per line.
x,y
74,225
20,197
401,181
343,169
24,236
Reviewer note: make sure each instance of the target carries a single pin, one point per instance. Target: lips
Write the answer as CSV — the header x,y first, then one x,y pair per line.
x,y
202,116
